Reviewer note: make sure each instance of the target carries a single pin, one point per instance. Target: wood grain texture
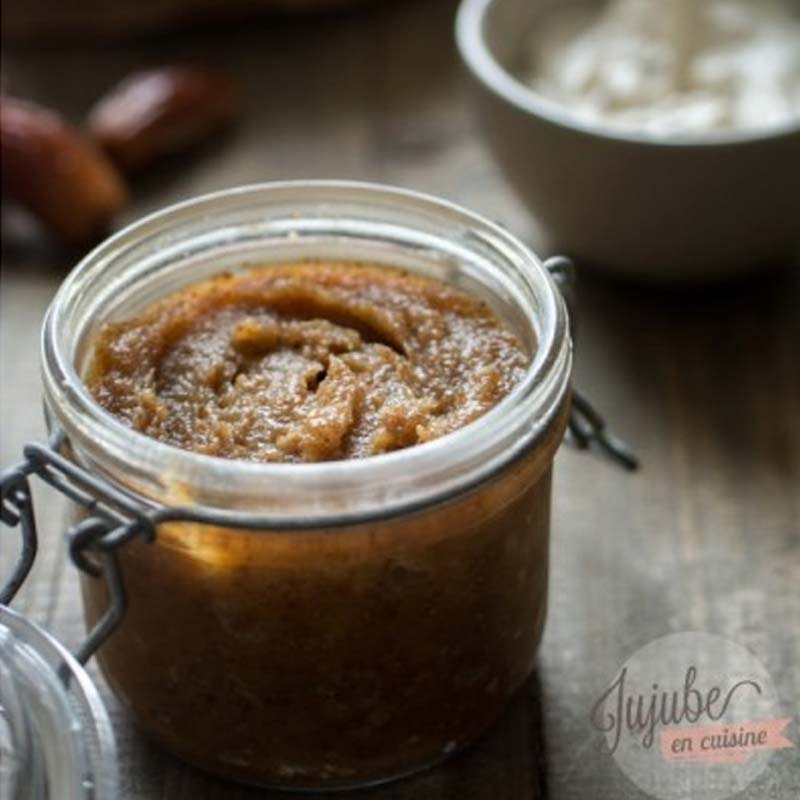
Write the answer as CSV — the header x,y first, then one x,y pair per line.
x,y
706,384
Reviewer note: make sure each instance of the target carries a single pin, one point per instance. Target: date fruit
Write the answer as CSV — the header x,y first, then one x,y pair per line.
x,y
161,111
55,172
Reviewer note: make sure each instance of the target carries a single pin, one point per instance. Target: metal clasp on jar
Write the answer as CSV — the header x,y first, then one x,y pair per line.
x,y
113,518
586,427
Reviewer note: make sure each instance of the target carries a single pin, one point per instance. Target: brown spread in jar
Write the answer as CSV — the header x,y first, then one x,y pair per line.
x,y
324,656
306,362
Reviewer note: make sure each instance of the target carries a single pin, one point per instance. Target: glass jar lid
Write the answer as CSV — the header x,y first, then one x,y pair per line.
x,y
56,740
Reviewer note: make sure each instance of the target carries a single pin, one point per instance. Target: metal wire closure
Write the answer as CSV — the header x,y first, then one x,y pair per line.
x,y
586,427
114,517
16,508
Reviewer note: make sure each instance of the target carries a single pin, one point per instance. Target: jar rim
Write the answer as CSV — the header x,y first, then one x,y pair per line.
x,y
95,433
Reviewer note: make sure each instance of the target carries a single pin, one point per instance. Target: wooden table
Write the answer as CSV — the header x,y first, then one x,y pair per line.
x,y
705,384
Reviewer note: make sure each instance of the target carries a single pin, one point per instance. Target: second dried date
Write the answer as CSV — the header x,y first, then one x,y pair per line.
x,y
157,112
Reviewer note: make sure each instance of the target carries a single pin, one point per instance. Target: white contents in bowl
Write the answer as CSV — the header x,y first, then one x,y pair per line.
x,y
672,66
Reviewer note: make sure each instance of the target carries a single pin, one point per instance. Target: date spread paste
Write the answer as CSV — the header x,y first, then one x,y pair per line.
x,y
330,656
306,362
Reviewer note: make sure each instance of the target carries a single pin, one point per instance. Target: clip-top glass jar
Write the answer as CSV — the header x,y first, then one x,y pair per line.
x,y
326,624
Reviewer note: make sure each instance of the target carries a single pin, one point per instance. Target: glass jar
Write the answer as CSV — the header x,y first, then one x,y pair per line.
x,y
330,624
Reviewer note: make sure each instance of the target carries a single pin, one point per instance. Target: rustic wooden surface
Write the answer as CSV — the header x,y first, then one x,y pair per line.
x,y
706,384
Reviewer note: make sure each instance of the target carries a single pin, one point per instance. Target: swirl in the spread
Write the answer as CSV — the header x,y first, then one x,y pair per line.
x,y
306,362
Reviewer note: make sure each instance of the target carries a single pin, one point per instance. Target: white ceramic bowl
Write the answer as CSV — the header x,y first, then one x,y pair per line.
x,y
699,209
